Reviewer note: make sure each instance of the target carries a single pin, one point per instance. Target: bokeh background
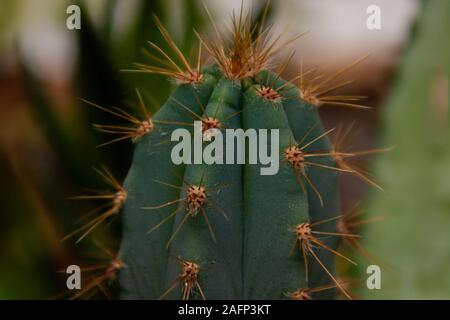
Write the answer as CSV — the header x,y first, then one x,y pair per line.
x,y
48,145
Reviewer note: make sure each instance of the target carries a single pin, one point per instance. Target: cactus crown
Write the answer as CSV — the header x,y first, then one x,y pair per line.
x,y
249,49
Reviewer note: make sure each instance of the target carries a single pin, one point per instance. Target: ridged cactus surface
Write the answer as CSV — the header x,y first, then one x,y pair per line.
x,y
225,231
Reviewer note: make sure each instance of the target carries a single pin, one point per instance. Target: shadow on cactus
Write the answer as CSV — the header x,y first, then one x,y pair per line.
x,y
225,231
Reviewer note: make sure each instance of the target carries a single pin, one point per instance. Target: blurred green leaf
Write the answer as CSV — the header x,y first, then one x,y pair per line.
x,y
110,8
62,142
128,49
194,19
99,82
8,11
30,250
414,237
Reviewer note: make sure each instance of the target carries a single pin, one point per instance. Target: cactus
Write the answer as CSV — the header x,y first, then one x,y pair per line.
x,y
227,231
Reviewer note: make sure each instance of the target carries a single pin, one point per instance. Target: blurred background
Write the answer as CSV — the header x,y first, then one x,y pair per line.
x,y
48,145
